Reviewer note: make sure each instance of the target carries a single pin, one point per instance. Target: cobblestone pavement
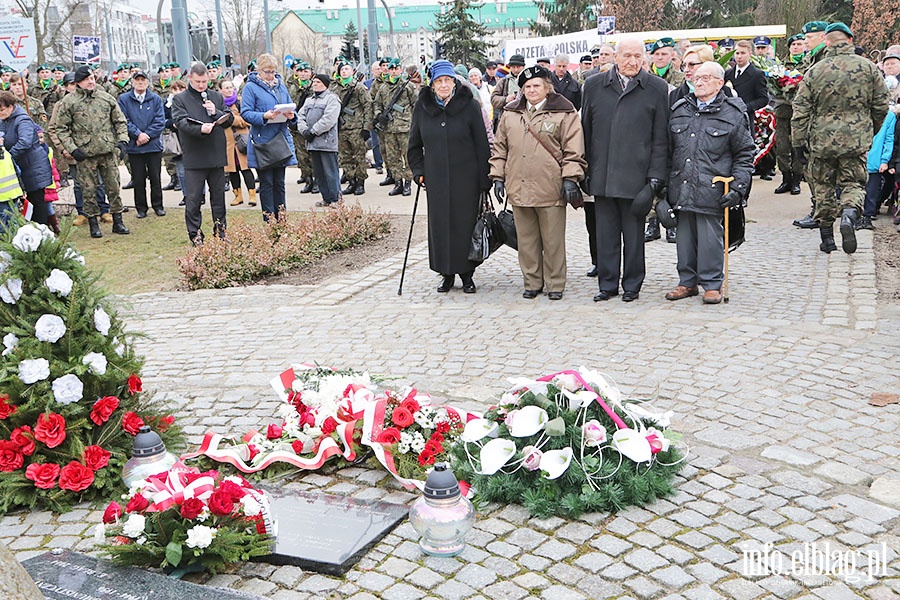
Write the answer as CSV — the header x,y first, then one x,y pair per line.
x,y
771,391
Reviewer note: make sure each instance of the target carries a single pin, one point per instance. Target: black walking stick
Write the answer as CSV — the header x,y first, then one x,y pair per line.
x,y
409,240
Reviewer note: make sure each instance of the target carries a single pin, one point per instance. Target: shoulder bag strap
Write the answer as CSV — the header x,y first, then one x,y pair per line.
x,y
539,140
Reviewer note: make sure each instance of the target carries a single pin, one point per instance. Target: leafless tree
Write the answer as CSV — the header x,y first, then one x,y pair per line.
x,y
292,36
793,13
52,25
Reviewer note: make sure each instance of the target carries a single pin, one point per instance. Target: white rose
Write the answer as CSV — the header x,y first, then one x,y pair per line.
x,y
28,238
9,342
101,320
67,389
49,328
134,526
5,260
59,282
70,253
34,369
11,291
200,536
96,361
250,505
46,232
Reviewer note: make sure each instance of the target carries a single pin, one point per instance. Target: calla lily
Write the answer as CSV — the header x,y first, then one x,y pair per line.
x,y
580,399
555,462
608,391
495,454
477,429
528,421
523,383
567,382
632,444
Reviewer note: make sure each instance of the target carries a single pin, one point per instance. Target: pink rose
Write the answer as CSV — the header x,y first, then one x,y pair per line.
x,y
532,458
593,433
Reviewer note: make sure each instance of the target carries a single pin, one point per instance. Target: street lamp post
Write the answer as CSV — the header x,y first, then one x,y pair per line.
x,y
511,20
268,33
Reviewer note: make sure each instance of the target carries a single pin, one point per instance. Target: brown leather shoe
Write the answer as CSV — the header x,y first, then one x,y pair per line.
x,y
712,297
681,292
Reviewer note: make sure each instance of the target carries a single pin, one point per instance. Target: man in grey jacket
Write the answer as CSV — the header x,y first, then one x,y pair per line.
x,y
317,123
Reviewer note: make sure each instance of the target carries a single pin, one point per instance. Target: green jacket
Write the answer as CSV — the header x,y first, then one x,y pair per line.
x,y
840,104
402,109
91,121
356,105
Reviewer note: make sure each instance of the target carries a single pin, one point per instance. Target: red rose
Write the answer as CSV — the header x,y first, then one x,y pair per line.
x,y
75,477
411,405
24,439
253,450
11,457
132,423
274,431
134,384
6,408
43,475
221,504
50,429
112,512
191,508
401,417
426,458
103,409
329,425
391,435
95,457
234,491
137,503
307,418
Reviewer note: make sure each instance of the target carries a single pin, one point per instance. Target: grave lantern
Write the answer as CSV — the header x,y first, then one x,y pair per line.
x,y
148,457
442,516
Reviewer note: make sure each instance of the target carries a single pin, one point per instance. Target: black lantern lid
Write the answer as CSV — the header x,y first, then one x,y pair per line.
x,y
441,483
147,443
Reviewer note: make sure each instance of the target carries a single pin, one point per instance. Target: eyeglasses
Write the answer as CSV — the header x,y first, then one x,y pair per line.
x,y
691,65
704,78
269,71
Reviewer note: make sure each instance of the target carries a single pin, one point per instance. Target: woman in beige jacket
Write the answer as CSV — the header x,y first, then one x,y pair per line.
x,y
237,161
538,159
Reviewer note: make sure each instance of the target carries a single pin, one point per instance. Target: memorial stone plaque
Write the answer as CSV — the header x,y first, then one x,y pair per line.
x,y
69,575
328,533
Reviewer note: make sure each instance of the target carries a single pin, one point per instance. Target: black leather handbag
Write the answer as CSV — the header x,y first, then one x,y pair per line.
x,y
508,224
487,235
272,153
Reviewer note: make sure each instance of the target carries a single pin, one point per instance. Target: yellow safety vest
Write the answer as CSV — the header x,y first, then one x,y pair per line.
x,y
9,181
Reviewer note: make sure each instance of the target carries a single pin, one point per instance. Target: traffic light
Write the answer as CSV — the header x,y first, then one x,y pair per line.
x,y
209,28
422,58
438,50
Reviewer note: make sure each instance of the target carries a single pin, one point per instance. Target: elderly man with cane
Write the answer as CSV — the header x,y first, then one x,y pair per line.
x,y
709,142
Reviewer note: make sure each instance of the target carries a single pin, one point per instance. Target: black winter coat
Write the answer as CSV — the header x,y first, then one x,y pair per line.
x,y
707,143
20,138
625,135
201,150
449,146
568,88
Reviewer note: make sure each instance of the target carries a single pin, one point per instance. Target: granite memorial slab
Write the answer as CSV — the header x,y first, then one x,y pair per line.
x,y
327,533
66,575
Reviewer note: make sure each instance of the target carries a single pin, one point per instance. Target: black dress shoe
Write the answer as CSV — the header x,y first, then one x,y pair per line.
x,y
142,214
531,294
183,202
169,186
129,185
160,212
555,295
630,296
468,284
604,295
446,283
592,272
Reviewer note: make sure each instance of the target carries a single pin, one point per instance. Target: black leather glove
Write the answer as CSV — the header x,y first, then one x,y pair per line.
x,y
657,186
586,185
308,135
666,214
365,134
499,190
292,125
643,202
572,194
800,151
731,199
122,146
79,155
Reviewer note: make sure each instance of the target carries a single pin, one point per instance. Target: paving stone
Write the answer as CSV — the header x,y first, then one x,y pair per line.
x,y
673,577
643,587
443,565
531,581
425,578
617,572
505,590
707,573
294,595
877,513
397,568
564,573
675,554
644,560
454,590
740,589
559,592
503,549
703,592
527,539
719,554
577,533
501,566
476,576
843,473
646,539
555,550
886,490
287,575
789,455
611,545
535,563
402,591
781,586
257,586
376,582
695,539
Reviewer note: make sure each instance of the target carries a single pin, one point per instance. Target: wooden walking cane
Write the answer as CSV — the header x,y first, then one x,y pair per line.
x,y
726,181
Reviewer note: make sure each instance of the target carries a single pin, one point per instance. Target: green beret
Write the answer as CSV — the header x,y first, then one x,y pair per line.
x,y
123,66
838,26
795,37
301,64
6,69
43,67
815,26
341,64
393,62
59,68
163,67
251,66
665,42
383,61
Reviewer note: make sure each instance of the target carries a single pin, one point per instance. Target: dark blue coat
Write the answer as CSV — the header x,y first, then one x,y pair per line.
x,y
20,138
256,100
143,117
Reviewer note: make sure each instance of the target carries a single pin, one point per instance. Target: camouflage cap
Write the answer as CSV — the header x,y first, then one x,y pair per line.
x,y
665,42
838,26
795,37
815,27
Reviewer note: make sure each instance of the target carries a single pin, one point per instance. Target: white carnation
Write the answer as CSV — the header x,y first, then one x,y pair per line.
x,y
67,389
34,369
96,361
101,320
9,342
49,328
250,505
5,260
11,291
70,253
59,282
134,526
118,347
200,536
28,238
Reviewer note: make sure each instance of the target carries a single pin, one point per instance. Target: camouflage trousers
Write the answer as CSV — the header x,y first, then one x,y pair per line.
x,y
784,155
393,147
304,160
352,153
107,167
169,162
826,173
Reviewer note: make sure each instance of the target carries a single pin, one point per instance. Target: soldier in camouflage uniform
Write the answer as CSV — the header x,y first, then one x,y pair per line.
x,y
300,88
788,163
841,103
379,73
29,104
353,127
392,119
49,91
161,88
92,129
5,74
815,42
661,55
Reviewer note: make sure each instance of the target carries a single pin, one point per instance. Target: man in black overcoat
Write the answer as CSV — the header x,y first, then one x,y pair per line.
x,y
748,81
624,114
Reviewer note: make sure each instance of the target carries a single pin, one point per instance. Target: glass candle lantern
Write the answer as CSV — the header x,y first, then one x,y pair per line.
x,y
442,516
148,457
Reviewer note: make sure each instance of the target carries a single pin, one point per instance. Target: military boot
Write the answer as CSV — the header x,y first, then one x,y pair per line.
x,y
360,188
671,235
806,222
795,183
95,227
119,226
351,186
406,187
315,185
389,180
398,188
309,185
848,230
652,231
827,234
787,179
